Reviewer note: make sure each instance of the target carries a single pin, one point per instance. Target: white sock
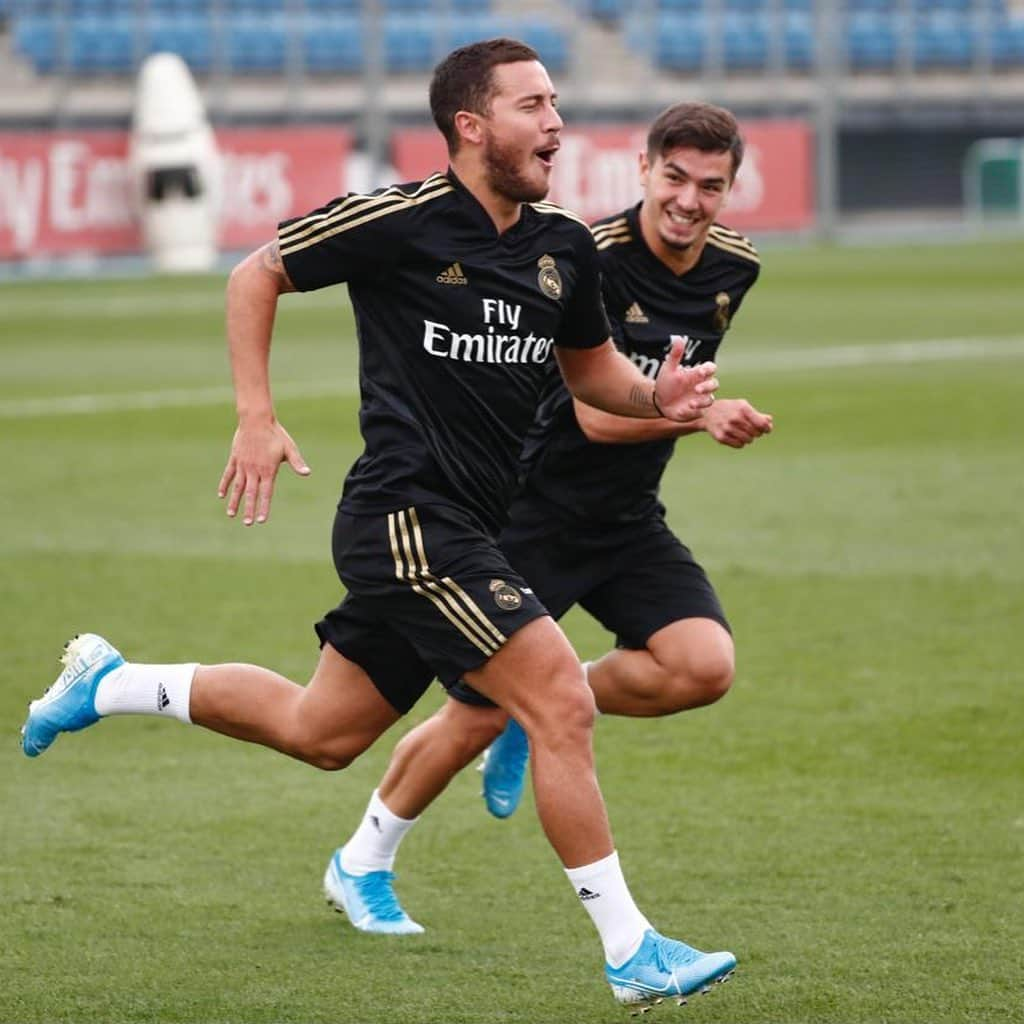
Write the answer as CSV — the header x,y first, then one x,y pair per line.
x,y
146,690
603,892
374,844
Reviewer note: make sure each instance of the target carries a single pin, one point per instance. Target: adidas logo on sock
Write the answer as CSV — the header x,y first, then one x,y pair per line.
x,y
375,821
162,699
453,275
586,894
635,315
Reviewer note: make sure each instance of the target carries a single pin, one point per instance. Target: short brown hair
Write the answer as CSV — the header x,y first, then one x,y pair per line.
x,y
703,126
464,80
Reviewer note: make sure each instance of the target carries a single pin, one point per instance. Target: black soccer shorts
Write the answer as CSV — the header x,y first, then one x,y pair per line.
x,y
429,594
634,578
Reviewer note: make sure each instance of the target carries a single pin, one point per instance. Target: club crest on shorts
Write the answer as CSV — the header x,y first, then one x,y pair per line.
x,y
505,595
549,279
723,314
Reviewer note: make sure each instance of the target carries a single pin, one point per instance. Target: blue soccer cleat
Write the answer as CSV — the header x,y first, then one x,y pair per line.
x,y
663,968
504,770
70,704
369,900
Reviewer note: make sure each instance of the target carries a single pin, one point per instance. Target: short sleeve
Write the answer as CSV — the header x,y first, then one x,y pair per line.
x,y
750,279
585,324
352,236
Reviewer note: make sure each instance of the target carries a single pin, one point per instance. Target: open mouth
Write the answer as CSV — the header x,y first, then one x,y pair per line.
x,y
546,156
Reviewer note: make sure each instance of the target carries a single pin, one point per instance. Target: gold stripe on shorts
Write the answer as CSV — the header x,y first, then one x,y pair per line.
x,y
450,599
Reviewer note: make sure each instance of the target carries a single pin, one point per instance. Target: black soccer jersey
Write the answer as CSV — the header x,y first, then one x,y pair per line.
x,y
648,305
456,325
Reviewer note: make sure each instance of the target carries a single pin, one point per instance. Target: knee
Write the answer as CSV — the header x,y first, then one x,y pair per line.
x,y
329,755
328,760
471,728
564,708
713,676
701,680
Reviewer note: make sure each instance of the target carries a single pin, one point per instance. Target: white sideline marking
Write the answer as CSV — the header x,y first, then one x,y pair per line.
x,y
795,359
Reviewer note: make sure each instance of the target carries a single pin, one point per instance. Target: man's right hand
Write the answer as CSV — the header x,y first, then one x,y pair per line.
x,y
735,422
257,451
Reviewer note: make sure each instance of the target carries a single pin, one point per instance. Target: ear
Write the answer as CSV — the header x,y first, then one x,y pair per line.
x,y
645,168
469,127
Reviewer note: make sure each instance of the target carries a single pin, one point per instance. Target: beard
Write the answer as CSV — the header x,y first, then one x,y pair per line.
x,y
506,177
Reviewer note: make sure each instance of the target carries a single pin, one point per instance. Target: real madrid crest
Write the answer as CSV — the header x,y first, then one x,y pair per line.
x,y
723,314
549,279
505,595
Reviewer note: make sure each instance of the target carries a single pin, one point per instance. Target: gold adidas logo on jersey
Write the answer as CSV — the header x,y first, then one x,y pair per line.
x,y
635,315
453,275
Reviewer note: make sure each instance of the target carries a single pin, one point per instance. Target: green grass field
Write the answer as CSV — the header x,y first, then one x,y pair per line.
x,y
850,820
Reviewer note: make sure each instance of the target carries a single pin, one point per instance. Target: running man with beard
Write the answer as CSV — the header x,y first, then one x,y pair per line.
x,y
587,527
466,286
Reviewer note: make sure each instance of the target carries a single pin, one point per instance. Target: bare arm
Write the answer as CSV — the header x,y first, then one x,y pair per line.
x,y
260,443
604,378
730,421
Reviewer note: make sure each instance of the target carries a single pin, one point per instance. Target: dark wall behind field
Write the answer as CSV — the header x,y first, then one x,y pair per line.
x,y
909,167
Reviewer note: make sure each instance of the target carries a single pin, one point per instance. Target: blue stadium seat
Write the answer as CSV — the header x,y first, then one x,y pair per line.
x,y
878,6
175,7
256,6
409,42
679,6
102,45
333,6
680,41
1008,43
190,35
746,6
35,37
943,40
798,39
256,43
549,41
333,43
872,41
744,41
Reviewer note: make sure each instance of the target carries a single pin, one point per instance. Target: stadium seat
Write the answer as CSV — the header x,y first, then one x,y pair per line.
x,y
680,41
409,42
679,6
744,41
943,40
872,41
1008,43
798,39
190,35
332,43
102,44
36,37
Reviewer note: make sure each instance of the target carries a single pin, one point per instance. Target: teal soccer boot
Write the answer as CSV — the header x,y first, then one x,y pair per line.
x,y
662,968
369,900
504,770
70,704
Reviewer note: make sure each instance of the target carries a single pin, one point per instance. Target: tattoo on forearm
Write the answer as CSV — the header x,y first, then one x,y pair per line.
x,y
272,264
642,396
